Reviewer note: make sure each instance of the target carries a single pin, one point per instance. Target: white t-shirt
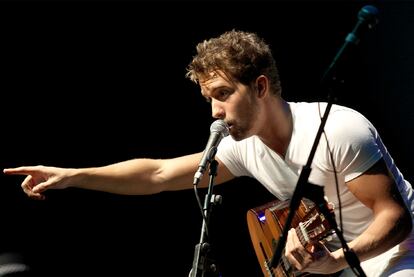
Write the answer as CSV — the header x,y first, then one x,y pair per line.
x,y
355,145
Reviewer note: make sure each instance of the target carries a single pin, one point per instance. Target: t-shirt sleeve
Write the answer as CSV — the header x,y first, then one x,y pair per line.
x,y
230,153
354,142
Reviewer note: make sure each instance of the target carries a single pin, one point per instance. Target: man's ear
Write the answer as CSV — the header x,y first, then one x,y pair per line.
x,y
262,86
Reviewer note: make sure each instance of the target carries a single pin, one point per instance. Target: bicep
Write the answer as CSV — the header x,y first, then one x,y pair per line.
x,y
178,173
376,189
223,175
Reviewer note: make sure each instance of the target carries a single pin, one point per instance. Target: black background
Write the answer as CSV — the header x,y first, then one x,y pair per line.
x,y
92,83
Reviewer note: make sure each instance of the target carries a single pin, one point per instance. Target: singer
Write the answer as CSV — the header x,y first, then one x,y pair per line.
x,y
270,139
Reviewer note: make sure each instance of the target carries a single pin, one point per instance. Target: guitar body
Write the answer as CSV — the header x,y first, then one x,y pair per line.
x,y
266,223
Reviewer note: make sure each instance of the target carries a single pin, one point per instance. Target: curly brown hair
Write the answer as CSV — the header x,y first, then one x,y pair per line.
x,y
242,56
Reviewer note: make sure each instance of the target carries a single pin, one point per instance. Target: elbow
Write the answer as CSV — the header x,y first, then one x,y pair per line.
x,y
158,181
405,225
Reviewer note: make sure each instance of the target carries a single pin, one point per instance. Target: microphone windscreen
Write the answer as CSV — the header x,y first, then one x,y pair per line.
x,y
219,126
368,13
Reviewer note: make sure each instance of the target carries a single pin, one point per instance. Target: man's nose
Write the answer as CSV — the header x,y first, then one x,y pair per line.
x,y
217,110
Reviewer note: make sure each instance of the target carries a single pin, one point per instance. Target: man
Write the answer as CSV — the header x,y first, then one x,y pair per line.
x,y
270,140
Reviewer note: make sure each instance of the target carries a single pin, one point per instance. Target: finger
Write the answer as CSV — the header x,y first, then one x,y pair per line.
x,y
39,188
301,258
291,253
37,196
289,242
318,251
23,170
27,184
27,188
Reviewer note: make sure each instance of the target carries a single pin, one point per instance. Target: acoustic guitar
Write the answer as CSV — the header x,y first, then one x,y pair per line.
x,y
266,222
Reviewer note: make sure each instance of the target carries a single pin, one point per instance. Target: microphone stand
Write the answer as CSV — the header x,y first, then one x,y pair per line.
x,y
202,264
315,192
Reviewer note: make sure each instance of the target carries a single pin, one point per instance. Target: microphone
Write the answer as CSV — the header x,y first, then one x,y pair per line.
x,y
218,130
366,16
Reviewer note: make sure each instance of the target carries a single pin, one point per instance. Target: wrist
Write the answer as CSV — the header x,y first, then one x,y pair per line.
x,y
75,177
340,260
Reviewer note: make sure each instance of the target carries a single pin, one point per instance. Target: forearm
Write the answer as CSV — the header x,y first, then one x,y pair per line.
x,y
392,222
389,228
137,176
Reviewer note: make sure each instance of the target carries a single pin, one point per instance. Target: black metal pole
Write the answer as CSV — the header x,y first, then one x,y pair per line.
x,y
203,264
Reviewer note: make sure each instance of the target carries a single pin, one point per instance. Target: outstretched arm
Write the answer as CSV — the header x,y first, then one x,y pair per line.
x,y
136,176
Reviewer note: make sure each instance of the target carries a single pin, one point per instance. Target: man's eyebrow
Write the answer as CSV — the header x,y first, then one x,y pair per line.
x,y
213,89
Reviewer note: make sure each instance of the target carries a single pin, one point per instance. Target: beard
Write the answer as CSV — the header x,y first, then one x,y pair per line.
x,y
239,132
243,127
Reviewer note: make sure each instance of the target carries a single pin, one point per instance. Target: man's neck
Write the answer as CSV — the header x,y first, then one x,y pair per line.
x,y
278,126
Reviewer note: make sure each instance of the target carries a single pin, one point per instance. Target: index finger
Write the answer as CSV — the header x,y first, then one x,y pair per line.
x,y
23,170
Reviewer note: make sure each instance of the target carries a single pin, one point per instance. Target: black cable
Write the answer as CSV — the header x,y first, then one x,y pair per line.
x,y
201,208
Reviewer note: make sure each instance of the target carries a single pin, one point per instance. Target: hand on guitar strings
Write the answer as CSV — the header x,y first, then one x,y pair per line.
x,y
315,258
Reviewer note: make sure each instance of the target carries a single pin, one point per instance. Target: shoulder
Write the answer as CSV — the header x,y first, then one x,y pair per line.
x,y
348,125
353,140
342,121
235,155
